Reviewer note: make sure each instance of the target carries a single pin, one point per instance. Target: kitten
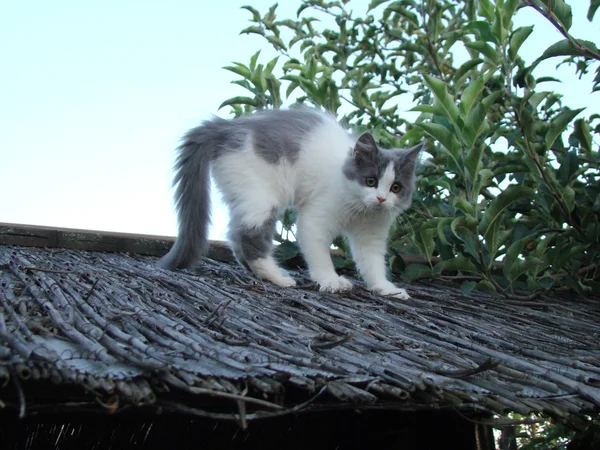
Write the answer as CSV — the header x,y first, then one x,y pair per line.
x,y
300,158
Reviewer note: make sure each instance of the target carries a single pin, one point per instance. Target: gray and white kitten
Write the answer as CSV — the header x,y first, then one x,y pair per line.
x,y
298,158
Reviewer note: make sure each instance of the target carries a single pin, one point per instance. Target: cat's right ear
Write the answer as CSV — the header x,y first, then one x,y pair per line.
x,y
365,146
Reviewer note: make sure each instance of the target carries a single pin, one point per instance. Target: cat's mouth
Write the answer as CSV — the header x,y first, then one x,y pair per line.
x,y
379,206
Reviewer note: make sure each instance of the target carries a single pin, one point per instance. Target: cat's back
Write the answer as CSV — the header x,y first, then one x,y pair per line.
x,y
282,135
275,136
289,152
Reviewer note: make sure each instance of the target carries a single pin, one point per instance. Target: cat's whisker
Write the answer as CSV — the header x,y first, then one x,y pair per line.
x,y
355,209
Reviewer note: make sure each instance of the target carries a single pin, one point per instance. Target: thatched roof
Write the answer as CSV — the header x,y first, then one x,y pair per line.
x,y
117,332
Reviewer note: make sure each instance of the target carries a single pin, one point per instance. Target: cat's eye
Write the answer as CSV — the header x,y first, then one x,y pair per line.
x,y
395,188
371,181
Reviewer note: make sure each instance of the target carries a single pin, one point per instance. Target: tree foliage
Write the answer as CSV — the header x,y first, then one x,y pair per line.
x,y
508,198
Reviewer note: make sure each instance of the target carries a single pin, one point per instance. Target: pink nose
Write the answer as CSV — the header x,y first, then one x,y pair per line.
x,y
380,200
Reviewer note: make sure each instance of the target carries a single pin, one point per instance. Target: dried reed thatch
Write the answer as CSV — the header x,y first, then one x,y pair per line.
x,y
218,343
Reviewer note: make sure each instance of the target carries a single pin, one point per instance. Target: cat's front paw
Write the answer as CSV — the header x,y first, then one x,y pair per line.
x,y
391,290
337,284
285,281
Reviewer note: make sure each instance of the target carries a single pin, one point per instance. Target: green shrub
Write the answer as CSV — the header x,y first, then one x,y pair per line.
x,y
508,199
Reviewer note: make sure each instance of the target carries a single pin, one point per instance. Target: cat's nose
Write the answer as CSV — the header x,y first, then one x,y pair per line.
x,y
380,199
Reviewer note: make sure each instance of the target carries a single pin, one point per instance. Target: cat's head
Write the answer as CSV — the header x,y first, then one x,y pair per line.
x,y
380,179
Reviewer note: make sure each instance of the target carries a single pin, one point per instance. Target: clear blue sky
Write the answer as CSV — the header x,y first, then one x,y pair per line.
x,y
95,96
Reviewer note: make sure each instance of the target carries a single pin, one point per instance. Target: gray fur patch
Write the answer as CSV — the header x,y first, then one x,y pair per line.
x,y
256,242
366,161
369,161
274,134
192,201
219,135
279,134
251,243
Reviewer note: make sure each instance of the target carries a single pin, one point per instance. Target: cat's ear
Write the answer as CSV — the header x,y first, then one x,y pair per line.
x,y
412,156
413,152
365,145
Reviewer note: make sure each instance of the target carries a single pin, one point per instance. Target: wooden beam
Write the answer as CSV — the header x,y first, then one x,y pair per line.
x,y
100,241
140,244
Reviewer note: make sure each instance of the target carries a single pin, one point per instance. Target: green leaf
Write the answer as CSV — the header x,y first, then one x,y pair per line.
x,y
482,30
276,42
465,206
416,271
399,8
240,69
495,238
531,266
486,9
516,40
258,78
302,7
467,287
583,134
253,60
569,167
334,96
476,123
485,286
270,16
291,88
375,3
239,101
498,29
564,48
464,70
273,86
466,236
423,108
563,13
397,264
460,263
470,94
310,89
511,258
270,66
255,14
473,161
485,49
446,101
424,239
594,5
568,194
495,210
547,79
253,30
340,262
286,251
441,230
558,125
310,70
441,134
537,97
508,11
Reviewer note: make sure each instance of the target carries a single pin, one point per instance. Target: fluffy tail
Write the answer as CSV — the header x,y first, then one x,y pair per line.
x,y
192,198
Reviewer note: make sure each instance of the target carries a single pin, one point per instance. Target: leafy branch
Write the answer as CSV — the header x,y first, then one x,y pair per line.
x,y
518,218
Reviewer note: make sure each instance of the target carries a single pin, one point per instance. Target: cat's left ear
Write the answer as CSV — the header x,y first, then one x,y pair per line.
x,y
365,145
413,152
412,155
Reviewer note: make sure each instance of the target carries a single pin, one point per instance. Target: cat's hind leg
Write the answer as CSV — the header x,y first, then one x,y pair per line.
x,y
253,247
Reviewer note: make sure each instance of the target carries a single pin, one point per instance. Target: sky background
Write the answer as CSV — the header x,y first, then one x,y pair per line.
x,y
96,95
